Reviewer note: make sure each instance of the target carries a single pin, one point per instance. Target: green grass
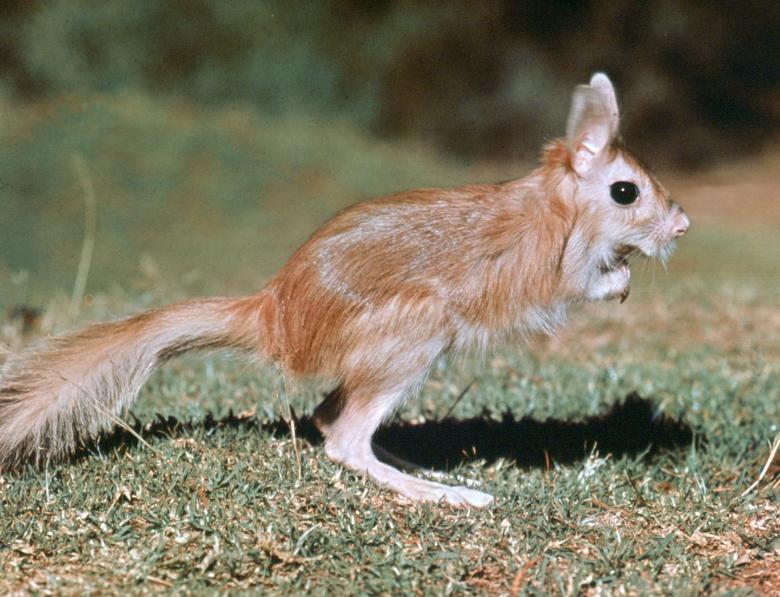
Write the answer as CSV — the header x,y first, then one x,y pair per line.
x,y
221,501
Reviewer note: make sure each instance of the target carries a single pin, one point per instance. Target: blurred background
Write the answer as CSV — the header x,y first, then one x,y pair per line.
x,y
215,136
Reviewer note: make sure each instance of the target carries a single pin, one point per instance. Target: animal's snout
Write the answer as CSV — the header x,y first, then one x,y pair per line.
x,y
680,221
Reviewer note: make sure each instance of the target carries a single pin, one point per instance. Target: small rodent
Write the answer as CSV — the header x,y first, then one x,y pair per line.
x,y
376,296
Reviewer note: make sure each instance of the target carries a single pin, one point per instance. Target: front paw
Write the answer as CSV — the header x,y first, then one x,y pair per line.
x,y
612,284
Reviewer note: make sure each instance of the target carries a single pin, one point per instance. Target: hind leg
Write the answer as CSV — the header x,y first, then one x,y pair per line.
x,y
348,419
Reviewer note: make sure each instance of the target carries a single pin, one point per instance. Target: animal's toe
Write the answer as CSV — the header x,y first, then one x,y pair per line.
x,y
463,496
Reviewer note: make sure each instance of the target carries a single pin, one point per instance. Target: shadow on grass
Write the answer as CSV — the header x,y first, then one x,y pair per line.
x,y
631,427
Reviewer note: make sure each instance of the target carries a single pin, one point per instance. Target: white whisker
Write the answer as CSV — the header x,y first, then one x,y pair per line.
x,y
644,267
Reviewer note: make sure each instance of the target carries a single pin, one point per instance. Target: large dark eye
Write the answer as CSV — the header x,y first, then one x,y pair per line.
x,y
624,192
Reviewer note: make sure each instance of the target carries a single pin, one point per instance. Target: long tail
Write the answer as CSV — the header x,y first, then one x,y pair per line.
x,y
60,394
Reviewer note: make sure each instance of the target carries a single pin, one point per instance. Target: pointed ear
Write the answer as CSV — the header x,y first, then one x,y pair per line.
x,y
593,122
601,83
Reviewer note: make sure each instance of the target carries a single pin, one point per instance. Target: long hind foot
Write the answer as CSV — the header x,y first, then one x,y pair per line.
x,y
412,488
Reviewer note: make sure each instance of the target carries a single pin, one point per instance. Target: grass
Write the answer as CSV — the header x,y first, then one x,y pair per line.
x,y
223,496
226,502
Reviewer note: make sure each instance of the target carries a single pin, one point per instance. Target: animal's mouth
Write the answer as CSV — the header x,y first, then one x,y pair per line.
x,y
619,259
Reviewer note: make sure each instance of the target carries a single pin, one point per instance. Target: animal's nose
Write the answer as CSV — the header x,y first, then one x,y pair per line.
x,y
681,224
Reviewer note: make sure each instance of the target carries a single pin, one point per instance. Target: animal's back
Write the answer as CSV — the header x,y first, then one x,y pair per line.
x,y
450,257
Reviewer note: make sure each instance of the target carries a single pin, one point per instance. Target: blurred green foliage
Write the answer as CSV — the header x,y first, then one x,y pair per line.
x,y
282,56
489,79
217,197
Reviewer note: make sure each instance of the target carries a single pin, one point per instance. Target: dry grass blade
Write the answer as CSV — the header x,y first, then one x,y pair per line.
x,y
90,225
517,582
773,448
459,398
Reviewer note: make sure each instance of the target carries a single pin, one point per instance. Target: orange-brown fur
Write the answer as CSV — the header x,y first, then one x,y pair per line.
x,y
370,301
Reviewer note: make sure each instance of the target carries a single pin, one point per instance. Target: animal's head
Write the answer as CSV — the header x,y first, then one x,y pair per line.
x,y
623,209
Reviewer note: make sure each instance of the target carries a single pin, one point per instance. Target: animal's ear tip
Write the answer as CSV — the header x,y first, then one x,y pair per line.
x,y
599,79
